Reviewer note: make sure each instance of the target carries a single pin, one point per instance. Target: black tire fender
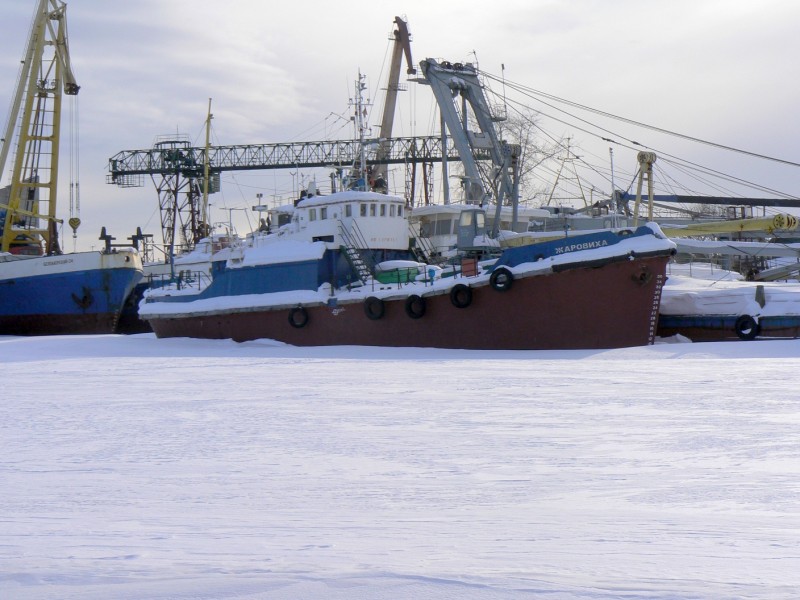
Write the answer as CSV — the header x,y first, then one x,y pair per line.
x,y
415,306
461,295
374,308
298,317
747,328
501,279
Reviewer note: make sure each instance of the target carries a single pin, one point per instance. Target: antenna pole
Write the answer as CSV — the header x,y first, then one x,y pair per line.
x,y
204,213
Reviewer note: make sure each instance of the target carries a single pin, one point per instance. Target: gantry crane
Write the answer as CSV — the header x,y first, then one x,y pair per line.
x,y
177,169
28,215
181,172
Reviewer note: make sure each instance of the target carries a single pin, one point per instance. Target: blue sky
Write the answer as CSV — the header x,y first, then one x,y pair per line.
x,y
718,70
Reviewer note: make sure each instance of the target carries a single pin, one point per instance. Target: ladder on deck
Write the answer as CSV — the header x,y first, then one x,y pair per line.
x,y
422,248
355,250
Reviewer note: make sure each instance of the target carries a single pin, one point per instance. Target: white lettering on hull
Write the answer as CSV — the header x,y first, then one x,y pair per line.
x,y
583,246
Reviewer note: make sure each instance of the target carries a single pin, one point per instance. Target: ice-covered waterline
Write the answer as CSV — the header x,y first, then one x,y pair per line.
x,y
133,467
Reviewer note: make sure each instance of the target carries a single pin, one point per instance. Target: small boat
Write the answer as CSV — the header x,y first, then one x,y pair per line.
x,y
718,305
313,281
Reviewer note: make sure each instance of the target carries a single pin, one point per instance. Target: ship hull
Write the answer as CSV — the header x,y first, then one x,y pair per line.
x,y
722,309
605,304
81,293
129,322
723,328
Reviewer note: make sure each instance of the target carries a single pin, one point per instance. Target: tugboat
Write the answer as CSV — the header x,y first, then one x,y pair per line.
x,y
321,279
344,269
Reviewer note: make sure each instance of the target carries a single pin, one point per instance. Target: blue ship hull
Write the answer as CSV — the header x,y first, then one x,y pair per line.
x,y
72,302
717,328
331,268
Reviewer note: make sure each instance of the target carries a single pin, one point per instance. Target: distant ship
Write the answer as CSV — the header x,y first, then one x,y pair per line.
x,y
708,304
75,293
42,290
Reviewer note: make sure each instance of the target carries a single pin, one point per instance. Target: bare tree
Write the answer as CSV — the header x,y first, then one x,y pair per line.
x,y
520,128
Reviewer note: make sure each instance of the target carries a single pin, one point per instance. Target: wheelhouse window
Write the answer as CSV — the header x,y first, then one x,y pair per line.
x,y
444,227
363,210
392,210
383,210
348,210
373,210
399,211
323,213
312,214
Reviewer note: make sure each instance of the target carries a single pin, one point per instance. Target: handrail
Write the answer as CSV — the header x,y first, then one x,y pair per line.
x,y
186,279
355,241
424,244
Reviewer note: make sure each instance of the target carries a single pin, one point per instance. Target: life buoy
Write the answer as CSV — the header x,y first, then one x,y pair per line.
x,y
298,317
374,308
501,279
461,295
746,327
415,306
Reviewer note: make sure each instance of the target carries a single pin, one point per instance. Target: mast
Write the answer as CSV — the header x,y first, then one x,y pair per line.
x,y
28,219
568,159
361,130
646,160
206,163
614,201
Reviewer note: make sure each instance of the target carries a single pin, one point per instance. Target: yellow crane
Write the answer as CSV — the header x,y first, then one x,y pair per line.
x,y
779,222
28,216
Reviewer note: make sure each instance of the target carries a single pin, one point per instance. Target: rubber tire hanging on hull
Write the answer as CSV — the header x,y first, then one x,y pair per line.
x,y
746,328
501,279
461,295
374,308
415,306
298,317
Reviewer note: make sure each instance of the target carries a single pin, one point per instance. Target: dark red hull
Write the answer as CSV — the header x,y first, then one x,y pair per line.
x,y
66,324
609,305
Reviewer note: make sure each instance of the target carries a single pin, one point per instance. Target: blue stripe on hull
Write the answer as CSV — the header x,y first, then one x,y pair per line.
x,y
89,300
266,279
281,277
589,241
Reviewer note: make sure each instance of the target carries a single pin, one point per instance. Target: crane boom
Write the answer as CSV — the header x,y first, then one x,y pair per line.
x,y
402,45
779,222
449,83
27,218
